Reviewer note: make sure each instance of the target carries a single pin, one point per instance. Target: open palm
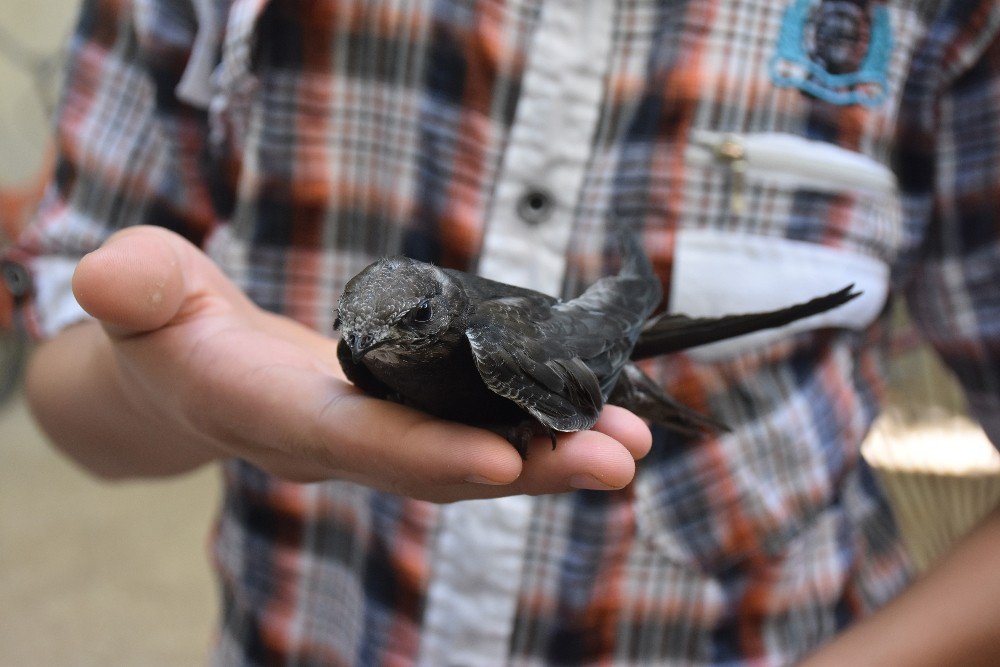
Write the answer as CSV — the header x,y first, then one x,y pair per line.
x,y
219,377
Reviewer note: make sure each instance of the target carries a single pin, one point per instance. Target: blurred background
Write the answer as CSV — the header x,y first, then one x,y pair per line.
x,y
98,574
90,573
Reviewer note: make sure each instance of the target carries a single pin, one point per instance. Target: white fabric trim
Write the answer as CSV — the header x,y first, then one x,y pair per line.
x,y
56,306
477,568
479,553
195,86
549,144
720,273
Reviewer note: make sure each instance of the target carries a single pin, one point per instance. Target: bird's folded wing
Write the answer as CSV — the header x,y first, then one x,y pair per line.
x,y
529,353
674,332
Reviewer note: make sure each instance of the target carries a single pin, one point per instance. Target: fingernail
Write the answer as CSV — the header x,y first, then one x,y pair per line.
x,y
589,482
479,479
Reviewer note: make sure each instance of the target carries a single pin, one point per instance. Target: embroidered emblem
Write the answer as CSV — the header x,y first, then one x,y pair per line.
x,y
836,50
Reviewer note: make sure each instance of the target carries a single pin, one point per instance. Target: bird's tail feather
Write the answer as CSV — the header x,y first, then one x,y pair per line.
x,y
637,392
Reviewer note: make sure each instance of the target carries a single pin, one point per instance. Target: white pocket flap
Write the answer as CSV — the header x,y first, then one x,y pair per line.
x,y
724,273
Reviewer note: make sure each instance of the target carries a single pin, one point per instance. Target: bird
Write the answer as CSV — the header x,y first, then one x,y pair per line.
x,y
522,363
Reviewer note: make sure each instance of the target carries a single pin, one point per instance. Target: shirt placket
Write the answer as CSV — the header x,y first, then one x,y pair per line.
x,y
531,218
479,554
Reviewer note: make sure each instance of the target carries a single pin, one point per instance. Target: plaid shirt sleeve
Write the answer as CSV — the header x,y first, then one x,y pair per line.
x,y
950,167
130,152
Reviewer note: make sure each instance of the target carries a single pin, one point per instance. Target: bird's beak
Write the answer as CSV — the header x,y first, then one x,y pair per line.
x,y
362,344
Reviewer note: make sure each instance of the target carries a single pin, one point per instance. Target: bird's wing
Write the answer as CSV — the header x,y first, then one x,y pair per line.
x,y
519,359
674,332
558,361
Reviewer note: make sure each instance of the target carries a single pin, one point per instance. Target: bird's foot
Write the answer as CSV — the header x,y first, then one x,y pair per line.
x,y
521,435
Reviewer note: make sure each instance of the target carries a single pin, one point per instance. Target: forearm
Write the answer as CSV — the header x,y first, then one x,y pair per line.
x,y
951,616
73,388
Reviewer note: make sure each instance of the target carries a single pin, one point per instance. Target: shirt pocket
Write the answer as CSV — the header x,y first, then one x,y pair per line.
x,y
722,272
793,398
787,219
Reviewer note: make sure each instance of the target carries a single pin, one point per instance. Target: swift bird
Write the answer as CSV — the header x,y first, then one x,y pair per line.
x,y
519,362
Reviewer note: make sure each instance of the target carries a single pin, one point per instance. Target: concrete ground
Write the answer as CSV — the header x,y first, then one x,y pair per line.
x,y
32,38
99,574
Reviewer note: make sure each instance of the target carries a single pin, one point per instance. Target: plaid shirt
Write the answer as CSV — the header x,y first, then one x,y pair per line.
x,y
768,148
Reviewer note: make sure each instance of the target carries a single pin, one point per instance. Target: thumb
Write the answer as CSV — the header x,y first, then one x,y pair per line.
x,y
139,279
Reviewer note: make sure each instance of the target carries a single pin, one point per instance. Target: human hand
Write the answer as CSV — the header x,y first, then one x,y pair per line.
x,y
208,368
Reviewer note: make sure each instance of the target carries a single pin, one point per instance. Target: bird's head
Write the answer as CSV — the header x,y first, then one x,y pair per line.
x,y
397,306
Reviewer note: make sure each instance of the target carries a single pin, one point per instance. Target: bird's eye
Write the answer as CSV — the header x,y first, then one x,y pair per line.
x,y
422,313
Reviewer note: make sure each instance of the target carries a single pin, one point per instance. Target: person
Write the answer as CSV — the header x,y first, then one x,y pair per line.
x,y
227,165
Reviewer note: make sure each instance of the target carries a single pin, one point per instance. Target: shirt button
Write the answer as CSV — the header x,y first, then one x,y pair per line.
x,y
16,278
535,206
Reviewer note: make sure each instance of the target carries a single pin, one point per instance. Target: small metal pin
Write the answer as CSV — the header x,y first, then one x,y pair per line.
x,y
734,154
